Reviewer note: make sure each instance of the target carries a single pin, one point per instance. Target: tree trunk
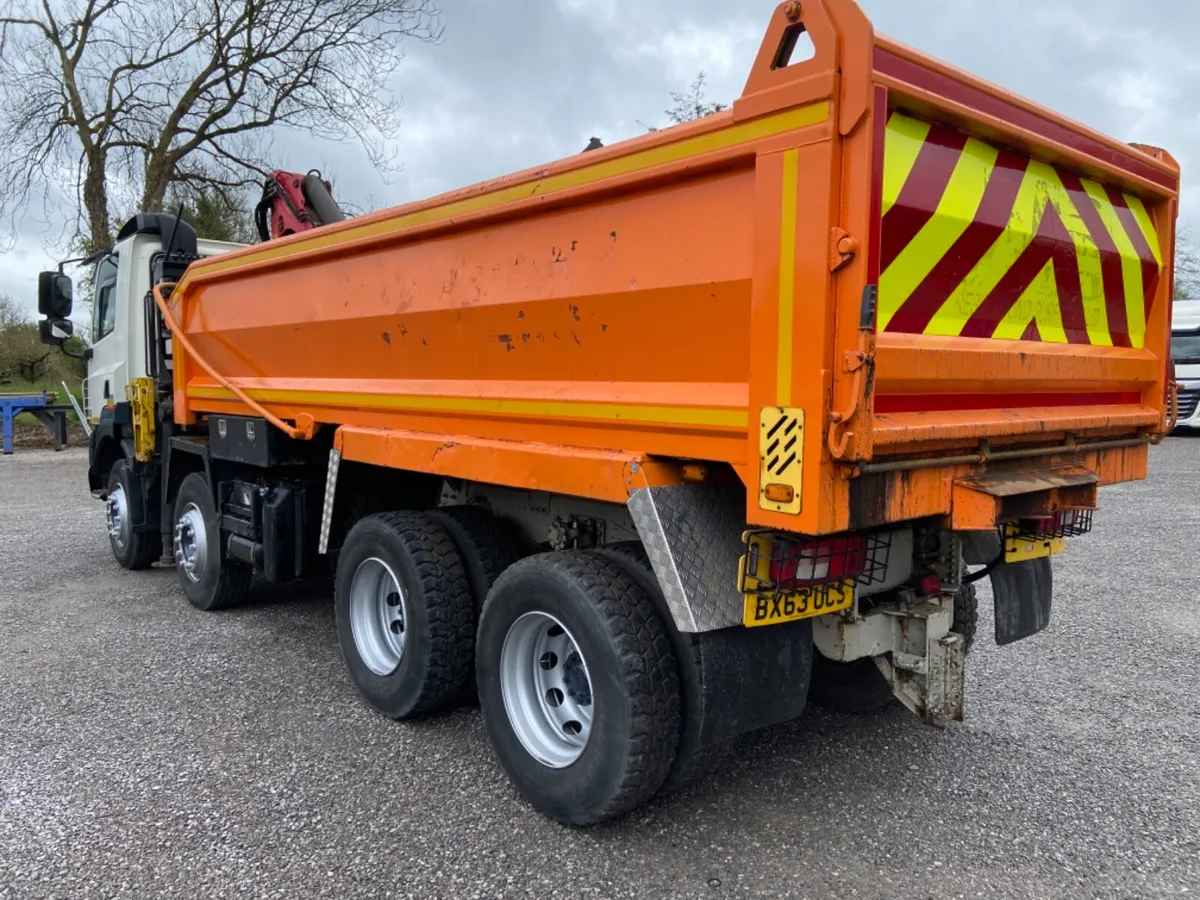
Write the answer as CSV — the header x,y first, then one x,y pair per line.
x,y
95,200
158,179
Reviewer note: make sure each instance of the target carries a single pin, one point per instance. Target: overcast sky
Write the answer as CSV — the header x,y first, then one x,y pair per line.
x,y
520,82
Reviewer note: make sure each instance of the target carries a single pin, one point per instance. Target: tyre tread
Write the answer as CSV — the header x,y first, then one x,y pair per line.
x,y
694,759
233,585
966,614
648,665
449,613
233,578
492,542
143,552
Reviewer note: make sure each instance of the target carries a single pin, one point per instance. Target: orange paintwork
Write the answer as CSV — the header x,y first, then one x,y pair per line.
x,y
639,305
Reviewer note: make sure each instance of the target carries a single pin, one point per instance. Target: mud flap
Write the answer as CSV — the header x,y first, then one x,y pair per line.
x,y
1022,593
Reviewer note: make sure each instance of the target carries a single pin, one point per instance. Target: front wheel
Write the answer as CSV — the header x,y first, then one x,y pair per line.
x,y
578,686
132,550
209,582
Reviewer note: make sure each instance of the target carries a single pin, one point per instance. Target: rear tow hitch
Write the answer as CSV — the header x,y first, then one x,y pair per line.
x,y
911,642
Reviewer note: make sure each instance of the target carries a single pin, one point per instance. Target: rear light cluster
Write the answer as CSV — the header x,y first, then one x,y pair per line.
x,y
1067,523
799,563
819,562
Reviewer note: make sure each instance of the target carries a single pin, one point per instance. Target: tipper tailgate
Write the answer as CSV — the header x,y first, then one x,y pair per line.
x,y
1023,268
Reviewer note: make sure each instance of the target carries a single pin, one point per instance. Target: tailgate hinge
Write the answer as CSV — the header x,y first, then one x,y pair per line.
x,y
842,248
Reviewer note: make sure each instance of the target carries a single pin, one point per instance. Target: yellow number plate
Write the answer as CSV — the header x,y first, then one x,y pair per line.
x,y
1018,549
803,604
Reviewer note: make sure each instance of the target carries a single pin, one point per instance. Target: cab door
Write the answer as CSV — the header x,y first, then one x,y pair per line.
x,y
107,375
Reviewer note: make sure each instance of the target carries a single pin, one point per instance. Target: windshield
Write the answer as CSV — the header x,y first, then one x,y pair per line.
x,y
1185,345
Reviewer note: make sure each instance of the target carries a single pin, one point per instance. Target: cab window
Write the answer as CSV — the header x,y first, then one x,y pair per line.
x,y
104,308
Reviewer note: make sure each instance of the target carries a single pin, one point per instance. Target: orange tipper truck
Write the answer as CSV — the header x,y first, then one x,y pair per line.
x,y
653,445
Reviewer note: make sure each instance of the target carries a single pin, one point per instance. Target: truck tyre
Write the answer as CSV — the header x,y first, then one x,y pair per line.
x,y
209,582
858,687
966,614
696,757
133,551
488,546
578,686
404,617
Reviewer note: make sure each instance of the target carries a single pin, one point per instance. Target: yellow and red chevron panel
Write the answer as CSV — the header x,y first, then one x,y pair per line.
x,y
980,241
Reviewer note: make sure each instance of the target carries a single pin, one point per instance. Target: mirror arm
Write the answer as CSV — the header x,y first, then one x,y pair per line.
x,y
85,355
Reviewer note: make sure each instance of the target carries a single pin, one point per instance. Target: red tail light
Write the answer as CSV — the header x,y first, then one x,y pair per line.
x,y
1067,523
819,562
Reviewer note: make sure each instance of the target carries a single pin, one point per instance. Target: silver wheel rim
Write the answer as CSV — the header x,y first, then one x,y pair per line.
x,y
378,617
116,514
191,542
547,689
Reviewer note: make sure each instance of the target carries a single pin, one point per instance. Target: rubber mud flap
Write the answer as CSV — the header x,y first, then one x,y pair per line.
x,y
1022,593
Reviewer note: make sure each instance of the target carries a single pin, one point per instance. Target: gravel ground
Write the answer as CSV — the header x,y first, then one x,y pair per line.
x,y
147,749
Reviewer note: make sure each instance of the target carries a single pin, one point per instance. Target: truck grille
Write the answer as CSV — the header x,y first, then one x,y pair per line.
x,y
1188,400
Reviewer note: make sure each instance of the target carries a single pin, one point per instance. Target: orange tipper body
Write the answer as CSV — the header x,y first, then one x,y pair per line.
x,y
869,281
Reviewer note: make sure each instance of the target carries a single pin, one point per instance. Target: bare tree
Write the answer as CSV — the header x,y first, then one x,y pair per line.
x,y
1187,266
689,104
127,98
23,358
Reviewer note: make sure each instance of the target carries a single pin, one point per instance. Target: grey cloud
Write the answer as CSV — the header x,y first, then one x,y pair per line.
x,y
522,82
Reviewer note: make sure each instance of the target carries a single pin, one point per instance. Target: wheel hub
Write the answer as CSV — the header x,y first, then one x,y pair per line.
x,y
575,679
116,514
191,543
547,689
377,616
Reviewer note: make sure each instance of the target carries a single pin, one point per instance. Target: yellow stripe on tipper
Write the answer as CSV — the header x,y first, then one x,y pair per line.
x,y
983,242
1040,189
954,215
1038,303
1143,220
1087,254
787,275
905,137
756,129
1131,266
675,415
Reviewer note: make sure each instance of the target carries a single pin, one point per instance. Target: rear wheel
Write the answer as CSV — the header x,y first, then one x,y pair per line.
x,y
698,755
132,550
488,545
578,686
966,614
859,687
209,582
404,614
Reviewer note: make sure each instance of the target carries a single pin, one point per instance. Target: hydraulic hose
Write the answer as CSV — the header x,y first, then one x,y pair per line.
x,y
304,428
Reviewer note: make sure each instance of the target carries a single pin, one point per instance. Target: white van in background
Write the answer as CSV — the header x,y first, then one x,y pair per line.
x,y
1185,352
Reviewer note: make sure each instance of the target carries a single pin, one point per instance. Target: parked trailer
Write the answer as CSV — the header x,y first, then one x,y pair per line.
x,y
651,445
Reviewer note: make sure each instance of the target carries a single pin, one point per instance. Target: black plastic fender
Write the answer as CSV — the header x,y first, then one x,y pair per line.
x,y
1022,592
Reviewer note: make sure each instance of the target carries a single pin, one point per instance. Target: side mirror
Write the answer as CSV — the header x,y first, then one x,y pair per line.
x,y
55,295
55,332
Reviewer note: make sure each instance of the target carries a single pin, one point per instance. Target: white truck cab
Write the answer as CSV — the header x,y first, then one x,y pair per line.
x,y
1185,353
117,331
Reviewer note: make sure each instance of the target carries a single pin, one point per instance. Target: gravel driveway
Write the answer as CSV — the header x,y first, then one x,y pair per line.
x,y
148,749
